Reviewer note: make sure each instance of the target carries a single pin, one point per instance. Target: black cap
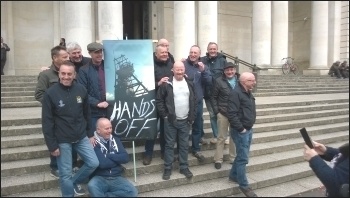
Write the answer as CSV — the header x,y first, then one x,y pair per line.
x,y
229,64
92,47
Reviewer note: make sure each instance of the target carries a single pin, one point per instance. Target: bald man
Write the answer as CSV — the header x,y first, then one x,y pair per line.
x,y
162,72
176,105
241,114
165,43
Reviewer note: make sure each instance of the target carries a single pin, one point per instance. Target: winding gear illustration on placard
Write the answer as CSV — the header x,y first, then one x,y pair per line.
x,y
126,83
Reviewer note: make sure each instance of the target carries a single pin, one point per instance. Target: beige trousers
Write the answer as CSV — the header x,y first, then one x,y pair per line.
x,y
223,131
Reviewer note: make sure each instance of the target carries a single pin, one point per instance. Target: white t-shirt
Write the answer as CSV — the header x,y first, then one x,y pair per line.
x,y
181,99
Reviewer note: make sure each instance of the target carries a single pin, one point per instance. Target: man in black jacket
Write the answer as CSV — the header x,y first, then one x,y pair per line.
x,y
4,50
162,71
66,126
176,105
241,113
75,55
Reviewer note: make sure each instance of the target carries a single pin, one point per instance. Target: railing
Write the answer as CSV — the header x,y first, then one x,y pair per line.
x,y
255,69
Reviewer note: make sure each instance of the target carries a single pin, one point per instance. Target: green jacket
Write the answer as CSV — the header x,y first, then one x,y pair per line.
x,y
46,79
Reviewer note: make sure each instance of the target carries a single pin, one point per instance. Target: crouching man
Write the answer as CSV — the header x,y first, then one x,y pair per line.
x,y
107,180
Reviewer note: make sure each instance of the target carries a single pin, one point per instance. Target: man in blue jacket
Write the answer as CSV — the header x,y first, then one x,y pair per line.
x,y
107,180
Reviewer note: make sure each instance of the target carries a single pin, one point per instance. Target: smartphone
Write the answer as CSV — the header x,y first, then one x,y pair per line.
x,y
307,138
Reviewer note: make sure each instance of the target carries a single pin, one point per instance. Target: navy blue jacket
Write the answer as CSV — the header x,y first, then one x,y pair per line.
x,y
331,178
88,76
110,157
199,79
65,115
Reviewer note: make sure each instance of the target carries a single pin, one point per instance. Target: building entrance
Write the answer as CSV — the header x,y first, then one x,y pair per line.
x,y
136,20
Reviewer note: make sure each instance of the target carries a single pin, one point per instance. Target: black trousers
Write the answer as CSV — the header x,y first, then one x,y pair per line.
x,y
3,62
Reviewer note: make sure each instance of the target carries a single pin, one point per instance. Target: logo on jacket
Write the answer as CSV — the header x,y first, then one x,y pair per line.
x,y
60,103
79,100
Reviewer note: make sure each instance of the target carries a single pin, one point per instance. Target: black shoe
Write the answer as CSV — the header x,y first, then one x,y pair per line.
x,y
166,174
232,180
199,156
78,190
162,156
147,160
54,173
186,172
217,165
248,192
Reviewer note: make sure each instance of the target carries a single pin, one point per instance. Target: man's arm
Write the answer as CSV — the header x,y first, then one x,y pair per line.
x,y
121,157
48,123
160,101
83,79
87,115
214,97
6,47
110,160
41,86
233,111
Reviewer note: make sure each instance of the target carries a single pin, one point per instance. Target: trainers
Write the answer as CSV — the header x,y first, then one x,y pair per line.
x,y
232,180
217,165
186,172
166,174
147,160
199,156
54,173
78,190
248,192
75,169
203,141
227,141
213,140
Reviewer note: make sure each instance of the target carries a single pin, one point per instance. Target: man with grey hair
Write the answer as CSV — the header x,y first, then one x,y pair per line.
x,y
165,43
75,55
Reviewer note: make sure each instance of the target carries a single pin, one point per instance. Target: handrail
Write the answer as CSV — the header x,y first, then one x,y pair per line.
x,y
238,61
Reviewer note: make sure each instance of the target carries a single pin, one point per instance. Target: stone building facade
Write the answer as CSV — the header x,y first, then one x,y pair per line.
x,y
315,33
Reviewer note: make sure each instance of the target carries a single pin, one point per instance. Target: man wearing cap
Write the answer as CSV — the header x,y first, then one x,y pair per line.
x,y
222,87
92,76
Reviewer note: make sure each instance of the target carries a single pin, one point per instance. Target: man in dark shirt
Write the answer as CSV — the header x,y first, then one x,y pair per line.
x,y
75,56
4,50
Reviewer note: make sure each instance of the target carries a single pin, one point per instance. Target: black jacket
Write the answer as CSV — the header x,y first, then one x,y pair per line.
x,y
241,111
220,94
65,115
216,68
161,69
165,101
78,65
4,50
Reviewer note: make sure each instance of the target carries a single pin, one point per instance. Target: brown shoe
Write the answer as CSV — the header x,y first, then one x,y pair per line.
x,y
147,160
248,192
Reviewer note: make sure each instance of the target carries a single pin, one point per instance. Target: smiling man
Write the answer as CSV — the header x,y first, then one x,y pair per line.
x,y
66,126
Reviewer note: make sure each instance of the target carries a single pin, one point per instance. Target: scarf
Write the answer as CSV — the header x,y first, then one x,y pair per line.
x,y
112,145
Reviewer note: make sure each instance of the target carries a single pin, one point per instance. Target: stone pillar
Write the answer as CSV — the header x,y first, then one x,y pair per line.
x,y
318,39
184,28
56,23
207,24
8,36
280,32
78,23
110,20
261,36
334,31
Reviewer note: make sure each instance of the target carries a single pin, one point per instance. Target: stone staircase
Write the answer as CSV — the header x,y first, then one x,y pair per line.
x,y
276,166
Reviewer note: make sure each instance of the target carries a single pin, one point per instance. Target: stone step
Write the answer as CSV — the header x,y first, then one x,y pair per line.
x,y
261,172
11,168
258,94
20,84
17,93
299,85
20,104
18,99
17,89
269,89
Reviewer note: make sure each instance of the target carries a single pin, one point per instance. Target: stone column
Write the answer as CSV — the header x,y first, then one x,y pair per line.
x,y
78,23
318,39
261,36
279,48
56,23
8,35
207,24
334,31
184,28
110,20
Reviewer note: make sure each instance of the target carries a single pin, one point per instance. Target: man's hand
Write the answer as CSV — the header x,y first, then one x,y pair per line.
x,y
103,104
93,141
309,153
44,68
200,66
56,152
164,79
244,130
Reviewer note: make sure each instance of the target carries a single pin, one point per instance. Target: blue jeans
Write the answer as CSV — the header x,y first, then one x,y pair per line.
x,y
197,127
64,162
213,118
242,142
180,129
53,160
111,187
149,144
